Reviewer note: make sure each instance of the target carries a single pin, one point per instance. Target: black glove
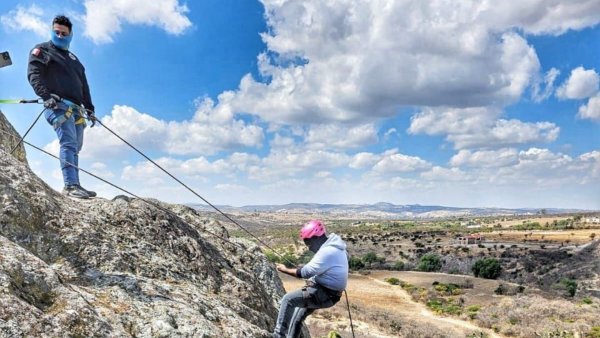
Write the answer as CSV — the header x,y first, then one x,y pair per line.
x,y
51,103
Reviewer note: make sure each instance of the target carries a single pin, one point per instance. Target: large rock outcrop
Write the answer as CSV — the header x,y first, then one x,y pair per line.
x,y
122,267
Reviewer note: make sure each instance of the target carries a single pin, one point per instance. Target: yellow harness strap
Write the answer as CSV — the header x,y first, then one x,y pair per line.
x,y
69,112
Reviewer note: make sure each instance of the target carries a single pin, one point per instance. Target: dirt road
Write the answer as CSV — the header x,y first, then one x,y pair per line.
x,y
377,305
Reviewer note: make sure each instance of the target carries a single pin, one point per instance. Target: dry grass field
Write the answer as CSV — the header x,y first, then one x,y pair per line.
x,y
508,223
548,286
383,310
574,236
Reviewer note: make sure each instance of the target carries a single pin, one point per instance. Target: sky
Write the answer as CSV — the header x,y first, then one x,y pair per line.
x,y
448,102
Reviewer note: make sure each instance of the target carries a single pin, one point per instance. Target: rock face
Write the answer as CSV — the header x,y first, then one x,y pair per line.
x,y
122,268
9,139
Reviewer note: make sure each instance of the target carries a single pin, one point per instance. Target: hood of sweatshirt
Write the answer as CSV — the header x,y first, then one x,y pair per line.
x,y
335,241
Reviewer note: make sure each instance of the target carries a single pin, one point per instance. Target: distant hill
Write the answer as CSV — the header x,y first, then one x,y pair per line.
x,y
383,210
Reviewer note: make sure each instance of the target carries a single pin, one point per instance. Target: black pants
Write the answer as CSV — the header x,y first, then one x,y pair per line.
x,y
295,308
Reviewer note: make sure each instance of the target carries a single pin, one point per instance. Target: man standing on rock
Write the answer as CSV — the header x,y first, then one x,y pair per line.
x,y
327,274
54,73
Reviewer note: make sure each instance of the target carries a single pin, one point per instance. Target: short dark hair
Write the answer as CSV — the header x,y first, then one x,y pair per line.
x,y
63,20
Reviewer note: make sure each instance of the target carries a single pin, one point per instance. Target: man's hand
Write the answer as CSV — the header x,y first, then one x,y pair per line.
x,y
92,116
286,270
51,103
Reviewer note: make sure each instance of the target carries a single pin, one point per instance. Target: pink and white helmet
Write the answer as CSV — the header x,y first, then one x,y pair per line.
x,y
314,228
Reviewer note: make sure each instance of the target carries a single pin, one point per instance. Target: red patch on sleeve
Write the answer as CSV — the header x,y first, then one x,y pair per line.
x,y
36,52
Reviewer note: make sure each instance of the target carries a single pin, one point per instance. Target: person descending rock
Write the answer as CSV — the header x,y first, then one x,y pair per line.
x,y
327,274
54,73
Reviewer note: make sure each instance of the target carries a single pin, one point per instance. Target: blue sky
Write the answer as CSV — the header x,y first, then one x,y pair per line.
x,y
460,103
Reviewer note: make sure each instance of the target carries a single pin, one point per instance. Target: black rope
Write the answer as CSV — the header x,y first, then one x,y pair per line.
x,y
213,206
156,205
193,192
94,119
349,314
28,130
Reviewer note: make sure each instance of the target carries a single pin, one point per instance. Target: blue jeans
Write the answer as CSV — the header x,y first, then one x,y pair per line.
x,y
70,138
295,308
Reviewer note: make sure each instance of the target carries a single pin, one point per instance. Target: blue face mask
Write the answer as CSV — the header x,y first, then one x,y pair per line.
x,y
61,42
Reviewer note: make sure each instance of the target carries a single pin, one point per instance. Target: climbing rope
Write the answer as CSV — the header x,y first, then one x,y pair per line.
x,y
22,140
154,204
27,132
349,314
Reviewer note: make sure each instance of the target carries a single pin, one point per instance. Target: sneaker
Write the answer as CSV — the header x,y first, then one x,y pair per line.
x,y
75,192
89,192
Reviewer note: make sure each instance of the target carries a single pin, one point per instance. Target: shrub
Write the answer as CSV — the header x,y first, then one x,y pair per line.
x,y
440,306
395,326
570,286
447,289
371,258
500,290
271,256
473,310
587,300
333,334
398,266
488,268
594,332
355,263
429,263
392,280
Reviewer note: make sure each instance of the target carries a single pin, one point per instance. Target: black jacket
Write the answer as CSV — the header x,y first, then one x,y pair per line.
x,y
53,70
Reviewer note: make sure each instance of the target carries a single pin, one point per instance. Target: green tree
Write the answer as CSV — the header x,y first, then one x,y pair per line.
x,y
371,258
429,263
355,263
487,268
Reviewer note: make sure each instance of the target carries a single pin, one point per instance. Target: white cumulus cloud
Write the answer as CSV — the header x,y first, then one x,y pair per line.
x,y
581,84
104,18
340,137
205,134
479,127
364,160
485,158
364,60
591,110
399,163
445,174
26,19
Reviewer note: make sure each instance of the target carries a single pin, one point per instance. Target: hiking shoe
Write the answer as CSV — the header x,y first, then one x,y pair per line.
x,y
75,192
89,192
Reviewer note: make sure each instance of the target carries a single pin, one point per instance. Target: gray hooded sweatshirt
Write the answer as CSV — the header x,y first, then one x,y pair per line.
x,y
329,266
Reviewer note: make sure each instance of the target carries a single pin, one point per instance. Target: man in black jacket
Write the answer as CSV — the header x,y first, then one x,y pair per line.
x,y
55,74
